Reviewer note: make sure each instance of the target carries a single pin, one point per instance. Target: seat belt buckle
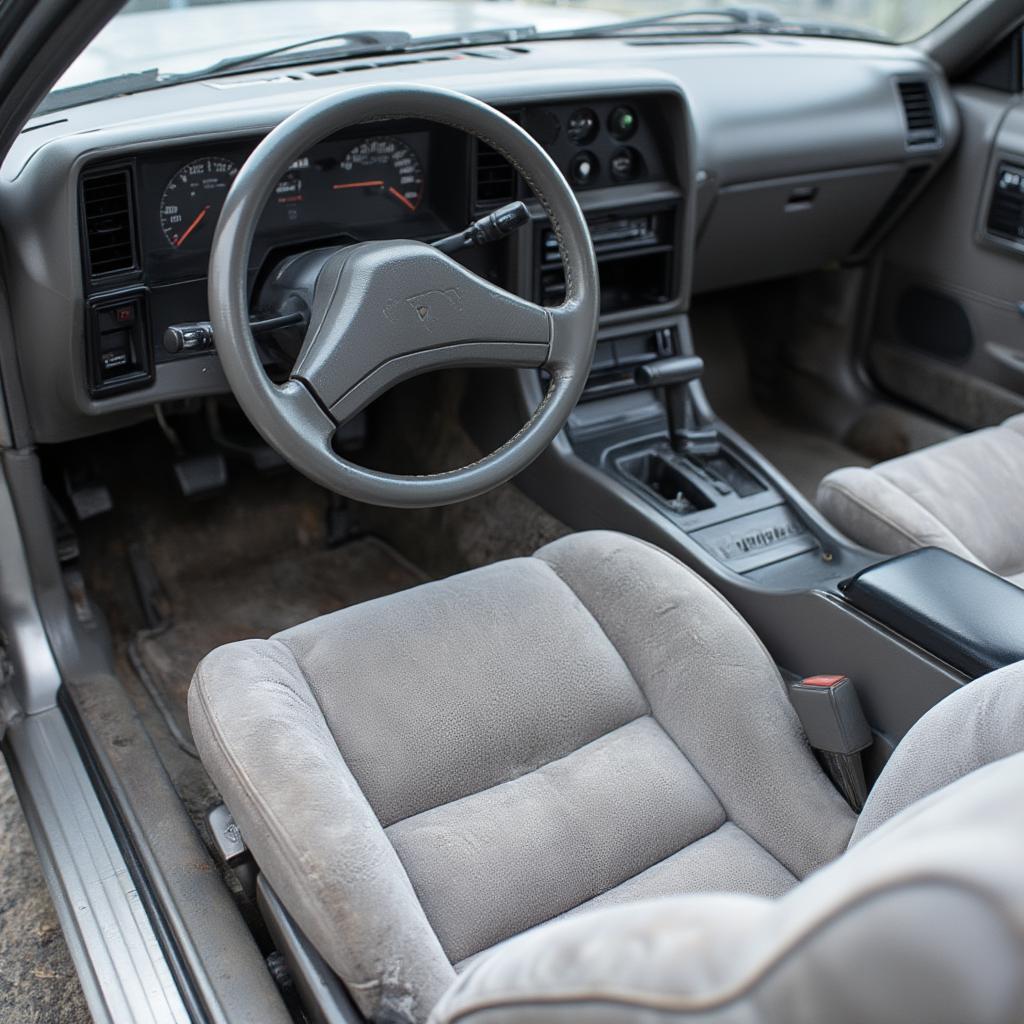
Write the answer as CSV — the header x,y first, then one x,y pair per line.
x,y
833,719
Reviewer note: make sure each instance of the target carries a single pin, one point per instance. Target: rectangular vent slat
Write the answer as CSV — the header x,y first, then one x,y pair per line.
x,y
496,180
919,113
107,217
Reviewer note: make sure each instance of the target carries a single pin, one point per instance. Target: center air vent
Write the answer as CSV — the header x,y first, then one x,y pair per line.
x,y
919,111
108,221
495,177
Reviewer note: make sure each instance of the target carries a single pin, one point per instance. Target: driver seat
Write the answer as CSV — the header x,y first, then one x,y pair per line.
x,y
427,775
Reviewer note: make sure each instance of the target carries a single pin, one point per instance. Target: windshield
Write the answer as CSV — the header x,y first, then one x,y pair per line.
x,y
182,36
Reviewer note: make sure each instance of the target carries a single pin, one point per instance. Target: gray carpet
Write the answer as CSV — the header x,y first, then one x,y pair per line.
x,y
38,984
257,598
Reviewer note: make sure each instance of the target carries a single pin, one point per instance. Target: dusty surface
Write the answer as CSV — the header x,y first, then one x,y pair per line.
x,y
248,600
38,985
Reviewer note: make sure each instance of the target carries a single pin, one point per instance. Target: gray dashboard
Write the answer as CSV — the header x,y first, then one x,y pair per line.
x,y
780,156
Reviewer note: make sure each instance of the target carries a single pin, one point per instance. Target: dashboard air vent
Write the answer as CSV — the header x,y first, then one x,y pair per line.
x,y
919,111
108,221
495,177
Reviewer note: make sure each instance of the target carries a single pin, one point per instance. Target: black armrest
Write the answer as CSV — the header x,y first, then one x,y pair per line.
x,y
961,613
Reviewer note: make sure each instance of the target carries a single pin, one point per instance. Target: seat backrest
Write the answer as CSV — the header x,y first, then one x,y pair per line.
x,y
965,495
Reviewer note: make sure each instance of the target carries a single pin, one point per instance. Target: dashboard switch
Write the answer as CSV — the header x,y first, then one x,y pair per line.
x,y
188,337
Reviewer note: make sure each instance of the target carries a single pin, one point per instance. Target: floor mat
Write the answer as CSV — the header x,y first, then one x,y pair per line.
x,y
257,599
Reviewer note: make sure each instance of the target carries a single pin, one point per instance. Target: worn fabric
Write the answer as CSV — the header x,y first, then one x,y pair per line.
x,y
978,724
965,495
423,776
921,921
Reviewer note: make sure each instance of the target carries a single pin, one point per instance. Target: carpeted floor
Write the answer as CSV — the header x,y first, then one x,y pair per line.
x,y
256,599
38,984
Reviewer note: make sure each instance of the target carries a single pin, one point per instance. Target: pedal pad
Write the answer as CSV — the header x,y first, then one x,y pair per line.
x,y
201,475
88,497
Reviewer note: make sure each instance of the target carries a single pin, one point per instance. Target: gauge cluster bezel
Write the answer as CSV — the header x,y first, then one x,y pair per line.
x,y
324,216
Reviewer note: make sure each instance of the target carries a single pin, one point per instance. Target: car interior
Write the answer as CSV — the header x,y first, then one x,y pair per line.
x,y
522,526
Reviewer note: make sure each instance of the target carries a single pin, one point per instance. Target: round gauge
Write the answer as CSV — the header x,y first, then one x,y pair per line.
x,y
385,167
192,200
582,126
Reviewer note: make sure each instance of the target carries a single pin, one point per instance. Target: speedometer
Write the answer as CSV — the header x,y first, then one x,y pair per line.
x,y
383,167
193,198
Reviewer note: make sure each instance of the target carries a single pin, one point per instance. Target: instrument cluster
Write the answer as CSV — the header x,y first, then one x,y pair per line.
x,y
344,187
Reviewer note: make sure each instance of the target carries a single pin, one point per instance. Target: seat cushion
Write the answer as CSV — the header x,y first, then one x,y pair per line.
x,y
965,495
921,921
426,775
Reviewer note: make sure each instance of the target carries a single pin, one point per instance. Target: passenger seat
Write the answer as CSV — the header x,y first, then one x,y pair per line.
x,y
965,495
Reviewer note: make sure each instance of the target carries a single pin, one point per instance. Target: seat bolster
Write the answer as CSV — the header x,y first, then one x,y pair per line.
x,y
265,743
876,513
976,725
713,687
925,922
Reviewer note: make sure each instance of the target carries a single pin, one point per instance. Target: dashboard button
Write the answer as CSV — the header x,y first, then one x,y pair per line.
x,y
622,123
582,126
583,169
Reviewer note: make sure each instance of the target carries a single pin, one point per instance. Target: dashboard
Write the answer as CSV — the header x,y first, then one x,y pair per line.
x,y
698,166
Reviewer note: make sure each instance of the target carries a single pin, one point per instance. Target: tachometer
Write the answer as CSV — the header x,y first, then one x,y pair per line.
x,y
192,200
384,167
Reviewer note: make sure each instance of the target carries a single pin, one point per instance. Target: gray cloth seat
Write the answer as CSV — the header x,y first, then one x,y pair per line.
x,y
427,776
965,495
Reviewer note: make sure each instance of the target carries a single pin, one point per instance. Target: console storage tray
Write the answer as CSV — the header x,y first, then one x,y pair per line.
x,y
952,608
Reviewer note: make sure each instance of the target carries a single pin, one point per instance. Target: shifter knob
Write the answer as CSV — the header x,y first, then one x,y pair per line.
x,y
664,372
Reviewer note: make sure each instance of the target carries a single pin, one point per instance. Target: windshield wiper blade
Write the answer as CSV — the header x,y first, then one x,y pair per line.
x,y
352,44
713,20
358,44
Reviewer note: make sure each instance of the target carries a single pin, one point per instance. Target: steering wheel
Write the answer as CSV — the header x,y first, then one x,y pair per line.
x,y
382,312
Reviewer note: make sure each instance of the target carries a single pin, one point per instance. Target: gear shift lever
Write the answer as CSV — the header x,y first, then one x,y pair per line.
x,y
691,424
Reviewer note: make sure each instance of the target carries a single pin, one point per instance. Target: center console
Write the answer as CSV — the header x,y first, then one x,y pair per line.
x,y
645,454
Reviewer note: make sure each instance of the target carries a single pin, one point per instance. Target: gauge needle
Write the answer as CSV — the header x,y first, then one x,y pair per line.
x,y
188,231
360,184
398,195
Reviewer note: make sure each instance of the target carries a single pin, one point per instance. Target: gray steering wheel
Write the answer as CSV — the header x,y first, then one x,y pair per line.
x,y
385,311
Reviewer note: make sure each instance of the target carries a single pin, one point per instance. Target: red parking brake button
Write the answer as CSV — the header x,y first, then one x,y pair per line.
x,y
124,314
824,681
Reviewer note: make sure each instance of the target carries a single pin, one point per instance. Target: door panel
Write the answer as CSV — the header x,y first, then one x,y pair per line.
x,y
947,333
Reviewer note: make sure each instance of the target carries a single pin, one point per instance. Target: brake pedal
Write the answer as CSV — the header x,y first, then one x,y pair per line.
x,y
200,476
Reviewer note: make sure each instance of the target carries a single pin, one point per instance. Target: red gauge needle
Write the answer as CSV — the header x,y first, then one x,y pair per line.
x,y
360,184
398,195
188,231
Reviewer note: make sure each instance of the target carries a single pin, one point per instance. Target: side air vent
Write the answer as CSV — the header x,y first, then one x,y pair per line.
x,y
919,111
495,178
108,223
